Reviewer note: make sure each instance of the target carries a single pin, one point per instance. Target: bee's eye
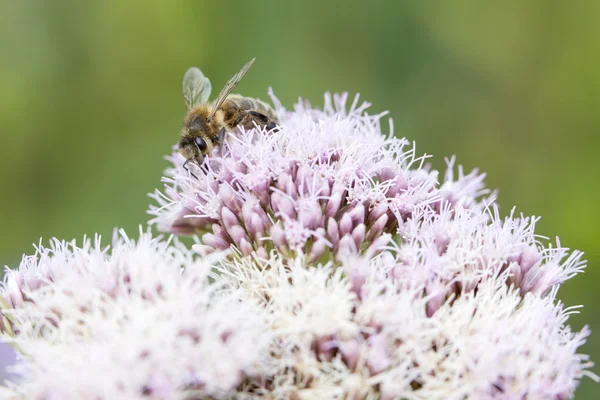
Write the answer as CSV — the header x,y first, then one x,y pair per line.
x,y
201,143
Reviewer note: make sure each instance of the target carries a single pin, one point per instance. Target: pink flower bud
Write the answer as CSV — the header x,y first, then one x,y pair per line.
x,y
386,174
13,287
228,197
304,177
437,295
262,254
237,234
229,219
278,237
377,212
316,250
528,258
358,234
377,227
215,241
257,228
357,214
261,189
346,246
345,224
310,214
378,244
350,350
283,180
283,205
333,205
245,247
333,233
441,242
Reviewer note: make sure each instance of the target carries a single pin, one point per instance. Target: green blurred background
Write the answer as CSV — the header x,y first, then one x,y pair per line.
x,y
90,101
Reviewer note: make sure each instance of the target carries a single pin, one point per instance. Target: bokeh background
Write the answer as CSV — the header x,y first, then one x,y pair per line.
x,y
90,101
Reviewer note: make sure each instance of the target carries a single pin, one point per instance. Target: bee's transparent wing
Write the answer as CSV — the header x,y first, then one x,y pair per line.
x,y
196,88
229,86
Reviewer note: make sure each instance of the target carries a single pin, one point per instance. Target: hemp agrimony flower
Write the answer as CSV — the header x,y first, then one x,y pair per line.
x,y
330,263
138,320
325,181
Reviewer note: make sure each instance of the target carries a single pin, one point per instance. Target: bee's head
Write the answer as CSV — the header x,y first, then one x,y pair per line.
x,y
196,137
194,148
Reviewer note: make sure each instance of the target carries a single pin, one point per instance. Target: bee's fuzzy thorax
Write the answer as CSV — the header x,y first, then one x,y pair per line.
x,y
199,110
219,118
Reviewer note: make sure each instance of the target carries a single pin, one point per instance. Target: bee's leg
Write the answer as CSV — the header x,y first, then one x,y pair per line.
x,y
186,163
259,118
266,121
186,168
221,140
239,119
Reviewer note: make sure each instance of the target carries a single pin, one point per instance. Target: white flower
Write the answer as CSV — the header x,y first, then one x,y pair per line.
x,y
129,323
332,343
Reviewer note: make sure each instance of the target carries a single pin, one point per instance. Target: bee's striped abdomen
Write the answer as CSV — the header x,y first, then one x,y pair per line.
x,y
236,107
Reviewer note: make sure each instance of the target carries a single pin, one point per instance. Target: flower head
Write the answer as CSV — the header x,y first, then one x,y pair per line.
x,y
128,323
324,181
332,264
328,183
332,342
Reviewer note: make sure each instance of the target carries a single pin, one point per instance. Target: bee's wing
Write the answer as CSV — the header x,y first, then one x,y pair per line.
x,y
229,86
196,88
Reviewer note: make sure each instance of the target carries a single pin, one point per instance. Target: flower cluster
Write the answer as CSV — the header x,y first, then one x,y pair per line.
x,y
329,181
132,323
335,343
325,181
331,262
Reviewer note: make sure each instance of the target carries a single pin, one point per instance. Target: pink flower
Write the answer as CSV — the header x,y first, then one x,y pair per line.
x,y
330,263
326,181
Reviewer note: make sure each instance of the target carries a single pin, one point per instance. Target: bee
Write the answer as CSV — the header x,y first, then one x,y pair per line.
x,y
206,124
